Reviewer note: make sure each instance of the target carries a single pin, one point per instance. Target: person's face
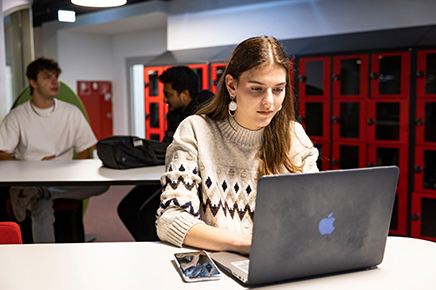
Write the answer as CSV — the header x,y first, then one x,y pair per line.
x,y
46,84
259,94
173,99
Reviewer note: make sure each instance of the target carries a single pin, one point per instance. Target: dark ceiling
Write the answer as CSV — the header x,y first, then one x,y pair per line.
x,y
47,10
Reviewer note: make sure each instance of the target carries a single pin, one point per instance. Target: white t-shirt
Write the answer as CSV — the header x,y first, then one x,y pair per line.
x,y
30,136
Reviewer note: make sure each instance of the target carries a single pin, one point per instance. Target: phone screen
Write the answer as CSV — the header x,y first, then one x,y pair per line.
x,y
197,266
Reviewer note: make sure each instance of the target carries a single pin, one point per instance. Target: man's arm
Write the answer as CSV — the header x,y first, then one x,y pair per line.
x,y
85,154
6,156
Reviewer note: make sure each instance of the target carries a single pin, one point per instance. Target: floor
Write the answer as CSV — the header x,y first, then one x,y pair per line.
x,y
101,220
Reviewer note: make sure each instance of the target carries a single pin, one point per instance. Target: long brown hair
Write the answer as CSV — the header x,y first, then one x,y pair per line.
x,y
274,152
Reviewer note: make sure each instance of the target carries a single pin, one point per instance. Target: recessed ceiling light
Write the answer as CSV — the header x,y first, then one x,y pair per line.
x,y
66,16
99,3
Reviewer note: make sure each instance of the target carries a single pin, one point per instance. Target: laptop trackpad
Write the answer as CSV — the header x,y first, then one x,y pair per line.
x,y
234,263
243,265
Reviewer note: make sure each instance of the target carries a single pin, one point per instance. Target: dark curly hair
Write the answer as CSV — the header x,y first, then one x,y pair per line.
x,y
41,64
182,78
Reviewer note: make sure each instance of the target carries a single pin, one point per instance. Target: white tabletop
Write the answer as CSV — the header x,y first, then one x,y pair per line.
x,y
408,264
72,172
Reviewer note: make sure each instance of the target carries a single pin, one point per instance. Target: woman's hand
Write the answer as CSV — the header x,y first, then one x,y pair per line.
x,y
216,239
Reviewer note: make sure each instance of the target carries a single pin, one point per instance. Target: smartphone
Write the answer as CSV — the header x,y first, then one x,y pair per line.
x,y
197,266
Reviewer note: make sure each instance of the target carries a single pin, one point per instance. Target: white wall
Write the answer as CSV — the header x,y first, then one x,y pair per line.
x,y
191,26
90,56
147,43
84,57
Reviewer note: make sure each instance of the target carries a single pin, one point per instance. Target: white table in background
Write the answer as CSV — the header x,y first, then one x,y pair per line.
x,y
74,172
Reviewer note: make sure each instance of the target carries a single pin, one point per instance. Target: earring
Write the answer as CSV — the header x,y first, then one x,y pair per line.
x,y
232,106
279,108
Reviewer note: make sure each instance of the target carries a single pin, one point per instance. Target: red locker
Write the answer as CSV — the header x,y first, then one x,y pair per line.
x,y
97,98
388,121
426,74
390,75
155,108
350,81
349,120
423,216
216,72
314,104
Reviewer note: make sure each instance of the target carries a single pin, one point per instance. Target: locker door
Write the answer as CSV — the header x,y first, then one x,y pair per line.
x,y
425,121
349,120
390,75
348,155
385,155
323,162
350,92
314,77
216,72
350,77
97,99
426,74
155,108
201,70
388,121
315,125
425,169
314,104
316,128
423,216
398,224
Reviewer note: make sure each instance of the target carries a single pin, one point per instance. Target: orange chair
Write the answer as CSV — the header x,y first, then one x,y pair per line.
x,y
10,233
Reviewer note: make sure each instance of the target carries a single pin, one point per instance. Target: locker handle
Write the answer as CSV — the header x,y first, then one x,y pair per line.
x,y
374,76
420,74
370,164
416,216
301,119
418,169
370,121
302,79
419,122
335,161
336,77
335,119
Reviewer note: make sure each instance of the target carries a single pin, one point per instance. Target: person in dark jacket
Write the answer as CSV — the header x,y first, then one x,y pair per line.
x,y
181,93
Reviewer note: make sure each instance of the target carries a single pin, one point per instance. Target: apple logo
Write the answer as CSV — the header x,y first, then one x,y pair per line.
x,y
326,225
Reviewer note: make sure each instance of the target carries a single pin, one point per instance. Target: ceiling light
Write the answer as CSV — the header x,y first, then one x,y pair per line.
x,y
99,3
66,16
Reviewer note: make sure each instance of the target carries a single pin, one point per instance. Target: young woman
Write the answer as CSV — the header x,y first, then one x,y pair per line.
x,y
246,131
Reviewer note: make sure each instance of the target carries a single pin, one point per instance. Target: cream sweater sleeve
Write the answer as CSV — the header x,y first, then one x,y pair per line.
x,y
180,204
303,150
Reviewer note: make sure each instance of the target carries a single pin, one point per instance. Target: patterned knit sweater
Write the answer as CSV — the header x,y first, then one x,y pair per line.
x,y
211,176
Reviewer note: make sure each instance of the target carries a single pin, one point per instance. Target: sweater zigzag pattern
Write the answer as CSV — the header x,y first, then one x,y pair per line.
x,y
211,177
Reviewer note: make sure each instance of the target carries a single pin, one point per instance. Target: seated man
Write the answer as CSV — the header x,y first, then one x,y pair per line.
x,y
45,128
138,208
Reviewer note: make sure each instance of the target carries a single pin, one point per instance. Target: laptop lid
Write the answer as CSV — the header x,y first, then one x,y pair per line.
x,y
318,223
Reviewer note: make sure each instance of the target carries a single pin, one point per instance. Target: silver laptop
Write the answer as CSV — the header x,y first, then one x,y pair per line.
x,y
316,223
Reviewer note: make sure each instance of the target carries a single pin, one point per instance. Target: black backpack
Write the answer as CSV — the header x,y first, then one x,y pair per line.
x,y
123,152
